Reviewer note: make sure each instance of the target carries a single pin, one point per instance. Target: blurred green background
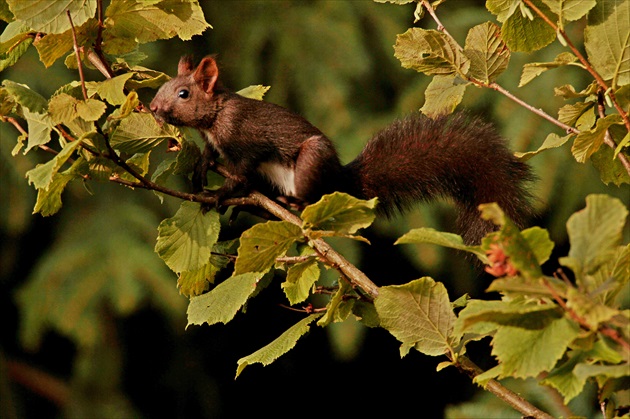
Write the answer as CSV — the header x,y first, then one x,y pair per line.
x,y
93,325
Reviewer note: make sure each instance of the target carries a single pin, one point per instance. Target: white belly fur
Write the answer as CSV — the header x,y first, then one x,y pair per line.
x,y
282,177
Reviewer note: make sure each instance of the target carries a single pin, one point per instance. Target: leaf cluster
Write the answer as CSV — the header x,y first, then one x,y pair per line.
x,y
568,330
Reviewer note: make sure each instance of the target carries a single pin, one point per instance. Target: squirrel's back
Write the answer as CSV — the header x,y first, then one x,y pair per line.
x,y
452,156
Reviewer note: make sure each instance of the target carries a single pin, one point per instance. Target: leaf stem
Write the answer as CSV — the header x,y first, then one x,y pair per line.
x,y
77,51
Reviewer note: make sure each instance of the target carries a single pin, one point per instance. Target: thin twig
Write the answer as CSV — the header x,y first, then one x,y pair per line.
x,y
77,50
495,86
584,61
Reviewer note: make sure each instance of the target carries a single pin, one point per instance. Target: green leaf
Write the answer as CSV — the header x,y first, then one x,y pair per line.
x,y
570,9
570,114
592,312
488,54
50,17
39,128
533,70
588,142
254,92
563,378
132,22
418,314
610,168
26,97
49,199
300,280
339,212
140,133
111,90
186,239
54,46
607,40
430,52
42,175
503,9
283,344
221,304
194,283
443,94
552,141
538,240
526,353
263,243
14,42
515,313
594,233
525,35
453,241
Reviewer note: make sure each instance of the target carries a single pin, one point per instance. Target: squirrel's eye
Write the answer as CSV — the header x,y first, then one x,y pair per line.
x,y
183,94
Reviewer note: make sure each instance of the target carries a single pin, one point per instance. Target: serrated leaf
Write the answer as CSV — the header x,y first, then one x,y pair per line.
x,y
525,35
50,17
14,43
418,314
569,114
526,353
443,94
42,175
430,52
524,316
503,9
590,311
607,40
263,243
49,199
453,241
194,283
300,280
552,141
594,233
570,9
610,168
283,344
339,212
540,243
488,54
336,309
26,97
533,70
140,133
186,239
254,92
55,45
39,128
563,378
588,142
129,23
221,304
111,90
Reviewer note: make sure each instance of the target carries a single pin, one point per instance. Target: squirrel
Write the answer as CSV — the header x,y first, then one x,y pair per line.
x,y
412,160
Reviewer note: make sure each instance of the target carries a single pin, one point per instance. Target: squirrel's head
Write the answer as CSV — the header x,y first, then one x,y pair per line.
x,y
187,99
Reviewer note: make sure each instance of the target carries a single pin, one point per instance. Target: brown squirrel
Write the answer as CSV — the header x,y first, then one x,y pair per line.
x,y
413,159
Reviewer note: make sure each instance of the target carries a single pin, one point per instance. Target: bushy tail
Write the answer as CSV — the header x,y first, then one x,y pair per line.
x,y
457,156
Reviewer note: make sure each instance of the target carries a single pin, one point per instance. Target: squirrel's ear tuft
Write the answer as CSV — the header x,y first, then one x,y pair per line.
x,y
185,66
207,74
